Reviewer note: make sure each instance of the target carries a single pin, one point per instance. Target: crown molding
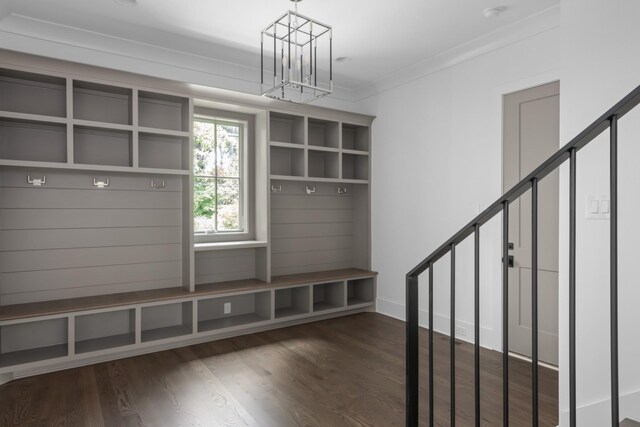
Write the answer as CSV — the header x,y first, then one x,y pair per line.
x,y
531,26
53,40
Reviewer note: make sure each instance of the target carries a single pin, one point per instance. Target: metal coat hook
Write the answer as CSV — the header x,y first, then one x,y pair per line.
x,y
36,182
310,190
101,184
275,189
158,184
342,190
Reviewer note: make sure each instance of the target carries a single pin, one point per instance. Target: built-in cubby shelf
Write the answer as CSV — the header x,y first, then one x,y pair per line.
x,y
23,92
166,321
97,146
355,137
102,103
287,128
291,302
28,342
244,309
24,140
287,161
328,296
104,330
163,151
355,167
323,164
160,111
323,133
361,291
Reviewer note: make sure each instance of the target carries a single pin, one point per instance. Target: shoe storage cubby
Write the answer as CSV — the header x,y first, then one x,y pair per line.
x,y
33,141
324,133
291,302
360,291
101,331
30,93
102,103
232,311
160,111
97,146
287,161
355,167
355,137
328,296
33,341
165,321
323,164
287,128
163,151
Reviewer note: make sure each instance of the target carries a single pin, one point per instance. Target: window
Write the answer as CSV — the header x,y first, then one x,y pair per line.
x,y
219,179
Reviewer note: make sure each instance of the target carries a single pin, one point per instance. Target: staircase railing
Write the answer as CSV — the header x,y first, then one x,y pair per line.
x,y
608,120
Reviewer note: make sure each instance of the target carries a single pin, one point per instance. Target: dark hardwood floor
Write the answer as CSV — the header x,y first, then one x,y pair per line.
x,y
346,371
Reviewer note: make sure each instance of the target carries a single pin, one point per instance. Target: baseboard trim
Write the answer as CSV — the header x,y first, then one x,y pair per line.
x,y
598,414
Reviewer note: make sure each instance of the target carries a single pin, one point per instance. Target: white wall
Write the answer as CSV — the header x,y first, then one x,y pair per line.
x,y
436,162
600,64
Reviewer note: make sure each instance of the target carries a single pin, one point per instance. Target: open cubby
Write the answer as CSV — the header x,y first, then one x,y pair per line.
x,y
101,103
30,93
33,141
33,341
355,166
162,152
100,331
323,164
94,146
167,321
291,301
287,161
355,137
286,128
360,291
324,133
243,310
327,296
160,111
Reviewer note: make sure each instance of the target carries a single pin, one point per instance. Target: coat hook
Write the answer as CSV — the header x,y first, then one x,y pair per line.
x,y
36,182
101,184
342,190
158,184
275,189
310,189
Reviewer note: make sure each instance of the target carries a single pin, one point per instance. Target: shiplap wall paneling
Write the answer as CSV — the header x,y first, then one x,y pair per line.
x,y
292,302
166,321
30,93
104,330
160,111
311,232
32,341
242,310
30,140
102,103
328,296
361,195
361,291
225,265
68,238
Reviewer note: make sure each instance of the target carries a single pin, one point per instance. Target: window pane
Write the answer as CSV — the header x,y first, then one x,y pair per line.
x,y
228,204
204,146
204,201
229,151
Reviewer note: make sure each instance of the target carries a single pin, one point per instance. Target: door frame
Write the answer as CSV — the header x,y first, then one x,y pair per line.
x,y
515,86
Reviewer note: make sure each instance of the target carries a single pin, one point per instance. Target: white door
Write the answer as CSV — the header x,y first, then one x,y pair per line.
x,y
530,135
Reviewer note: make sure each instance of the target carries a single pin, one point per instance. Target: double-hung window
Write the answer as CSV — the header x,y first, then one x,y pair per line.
x,y
220,184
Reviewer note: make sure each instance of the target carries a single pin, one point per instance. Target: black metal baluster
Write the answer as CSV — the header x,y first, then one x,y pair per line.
x,y
534,301
614,270
452,332
431,350
477,320
412,351
572,287
505,313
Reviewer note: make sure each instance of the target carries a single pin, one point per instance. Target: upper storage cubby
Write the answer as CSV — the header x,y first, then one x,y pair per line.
x,y
286,128
107,147
287,161
323,133
27,140
323,164
163,151
160,111
30,93
101,103
355,137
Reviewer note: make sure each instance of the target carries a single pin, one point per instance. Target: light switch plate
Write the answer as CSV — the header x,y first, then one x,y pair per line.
x,y
227,308
597,207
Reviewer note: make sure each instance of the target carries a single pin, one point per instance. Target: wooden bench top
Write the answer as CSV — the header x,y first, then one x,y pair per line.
x,y
36,309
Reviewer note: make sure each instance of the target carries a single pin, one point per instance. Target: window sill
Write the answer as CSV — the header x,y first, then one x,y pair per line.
x,y
218,246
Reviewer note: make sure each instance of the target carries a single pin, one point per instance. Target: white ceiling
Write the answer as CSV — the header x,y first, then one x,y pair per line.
x,y
381,37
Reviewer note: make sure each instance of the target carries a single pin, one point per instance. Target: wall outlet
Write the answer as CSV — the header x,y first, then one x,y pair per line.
x,y
460,331
227,308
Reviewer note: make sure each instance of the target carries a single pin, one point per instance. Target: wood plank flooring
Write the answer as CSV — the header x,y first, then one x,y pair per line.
x,y
346,371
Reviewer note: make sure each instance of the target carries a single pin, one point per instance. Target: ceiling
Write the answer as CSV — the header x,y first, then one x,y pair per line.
x,y
381,37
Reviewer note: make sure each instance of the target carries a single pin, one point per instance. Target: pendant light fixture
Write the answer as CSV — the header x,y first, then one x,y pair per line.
x,y
296,69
